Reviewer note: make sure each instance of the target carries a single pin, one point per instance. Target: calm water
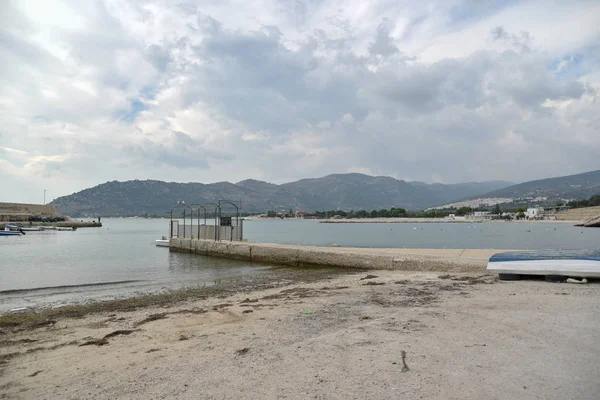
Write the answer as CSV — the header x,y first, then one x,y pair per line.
x,y
120,259
495,235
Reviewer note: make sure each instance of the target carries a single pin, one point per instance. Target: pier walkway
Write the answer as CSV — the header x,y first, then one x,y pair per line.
x,y
441,260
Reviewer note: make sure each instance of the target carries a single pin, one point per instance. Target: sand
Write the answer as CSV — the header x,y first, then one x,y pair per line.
x,y
464,336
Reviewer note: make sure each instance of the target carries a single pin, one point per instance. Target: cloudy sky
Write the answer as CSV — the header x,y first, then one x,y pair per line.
x,y
438,91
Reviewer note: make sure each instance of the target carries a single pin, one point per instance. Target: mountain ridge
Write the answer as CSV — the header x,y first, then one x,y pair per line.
x,y
583,185
334,191
547,191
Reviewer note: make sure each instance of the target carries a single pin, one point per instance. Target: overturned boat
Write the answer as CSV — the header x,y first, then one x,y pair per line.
x,y
550,263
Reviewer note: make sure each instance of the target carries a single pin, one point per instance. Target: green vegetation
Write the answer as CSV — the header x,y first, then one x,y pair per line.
x,y
497,209
383,213
36,218
591,202
394,212
464,211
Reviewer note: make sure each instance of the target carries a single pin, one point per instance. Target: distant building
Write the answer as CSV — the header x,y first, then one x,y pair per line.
x,y
482,214
301,214
534,212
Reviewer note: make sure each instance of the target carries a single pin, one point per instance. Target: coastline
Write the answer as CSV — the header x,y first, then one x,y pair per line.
x,y
430,220
65,224
341,334
408,220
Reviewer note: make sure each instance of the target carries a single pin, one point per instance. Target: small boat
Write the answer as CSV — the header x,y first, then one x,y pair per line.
x,y
551,263
164,242
7,232
24,228
30,228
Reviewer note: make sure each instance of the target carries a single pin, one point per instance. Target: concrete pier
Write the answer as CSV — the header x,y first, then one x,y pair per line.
x,y
440,260
65,224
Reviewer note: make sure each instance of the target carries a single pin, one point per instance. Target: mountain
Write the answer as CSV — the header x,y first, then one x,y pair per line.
x,y
338,191
539,192
579,186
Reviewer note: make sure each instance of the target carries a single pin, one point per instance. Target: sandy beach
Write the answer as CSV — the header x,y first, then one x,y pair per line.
x,y
464,336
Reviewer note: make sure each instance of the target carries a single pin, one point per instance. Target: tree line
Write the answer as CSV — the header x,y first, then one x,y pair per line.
x,y
394,212
591,202
383,213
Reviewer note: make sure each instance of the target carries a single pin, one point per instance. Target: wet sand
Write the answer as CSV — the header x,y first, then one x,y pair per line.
x,y
464,336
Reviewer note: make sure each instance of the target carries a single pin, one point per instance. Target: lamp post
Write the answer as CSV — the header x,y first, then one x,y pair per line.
x,y
44,196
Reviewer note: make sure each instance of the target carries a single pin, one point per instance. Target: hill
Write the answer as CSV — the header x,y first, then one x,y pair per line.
x,y
338,191
579,186
539,192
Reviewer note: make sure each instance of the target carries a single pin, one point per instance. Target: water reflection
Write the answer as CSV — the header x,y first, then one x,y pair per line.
x,y
196,265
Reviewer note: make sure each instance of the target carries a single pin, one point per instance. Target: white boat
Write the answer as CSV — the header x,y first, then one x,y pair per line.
x,y
57,228
565,263
8,232
23,228
164,242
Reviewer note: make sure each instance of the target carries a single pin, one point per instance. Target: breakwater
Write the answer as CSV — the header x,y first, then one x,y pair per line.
x,y
65,224
441,260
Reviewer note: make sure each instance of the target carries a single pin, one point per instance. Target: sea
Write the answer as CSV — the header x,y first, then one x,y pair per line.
x,y
120,259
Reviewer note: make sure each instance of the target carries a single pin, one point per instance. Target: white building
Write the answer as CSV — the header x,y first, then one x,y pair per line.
x,y
482,214
534,212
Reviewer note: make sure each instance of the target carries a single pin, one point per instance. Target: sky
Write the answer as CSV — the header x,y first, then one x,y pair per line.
x,y
278,90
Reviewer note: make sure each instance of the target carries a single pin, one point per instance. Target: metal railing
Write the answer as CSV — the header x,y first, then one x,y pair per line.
x,y
227,224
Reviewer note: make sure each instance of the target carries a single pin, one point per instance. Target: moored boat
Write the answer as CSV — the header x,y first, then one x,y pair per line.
x,y
164,242
24,228
7,232
561,263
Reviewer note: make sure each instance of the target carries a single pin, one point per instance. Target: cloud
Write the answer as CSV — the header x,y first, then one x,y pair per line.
x,y
179,150
448,92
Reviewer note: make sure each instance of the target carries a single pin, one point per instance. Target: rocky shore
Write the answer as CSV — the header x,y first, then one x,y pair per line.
x,y
593,222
